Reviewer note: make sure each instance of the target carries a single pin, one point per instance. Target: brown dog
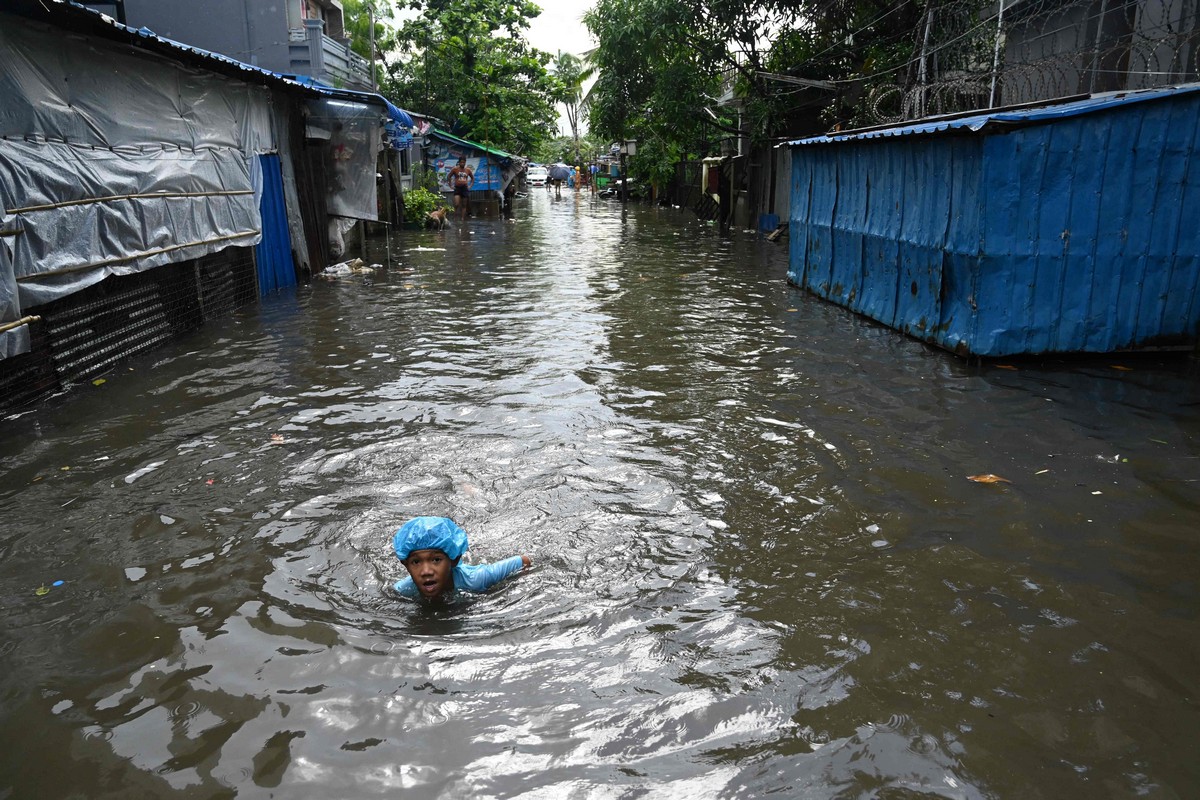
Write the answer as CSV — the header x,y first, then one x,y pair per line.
x,y
436,219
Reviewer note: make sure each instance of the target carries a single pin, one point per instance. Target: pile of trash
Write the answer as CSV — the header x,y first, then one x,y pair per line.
x,y
355,266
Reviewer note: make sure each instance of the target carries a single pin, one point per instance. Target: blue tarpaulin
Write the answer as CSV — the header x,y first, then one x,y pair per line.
x,y
398,127
274,253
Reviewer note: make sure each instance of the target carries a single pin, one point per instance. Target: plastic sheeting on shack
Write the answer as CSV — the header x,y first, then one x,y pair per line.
x,y
354,132
1067,228
118,170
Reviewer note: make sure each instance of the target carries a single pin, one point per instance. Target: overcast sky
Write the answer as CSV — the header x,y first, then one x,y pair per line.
x,y
560,26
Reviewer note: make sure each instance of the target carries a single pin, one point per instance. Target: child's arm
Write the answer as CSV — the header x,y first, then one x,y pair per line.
x,y
481,577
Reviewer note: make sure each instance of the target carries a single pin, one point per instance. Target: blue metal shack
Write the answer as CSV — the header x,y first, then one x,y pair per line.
x,y
1066,228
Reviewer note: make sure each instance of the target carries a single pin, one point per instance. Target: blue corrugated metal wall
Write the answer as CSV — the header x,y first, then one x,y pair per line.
x,y
1081,234
274,253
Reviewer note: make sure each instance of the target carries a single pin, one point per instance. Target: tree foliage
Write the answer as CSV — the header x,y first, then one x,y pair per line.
x,y
569,150
361,19
682,75
655,81
467,62
571,72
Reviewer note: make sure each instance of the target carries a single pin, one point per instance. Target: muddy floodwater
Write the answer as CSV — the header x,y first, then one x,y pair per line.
x,y
760,567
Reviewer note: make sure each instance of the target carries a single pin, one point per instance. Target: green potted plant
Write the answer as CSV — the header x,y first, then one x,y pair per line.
x,y
419,202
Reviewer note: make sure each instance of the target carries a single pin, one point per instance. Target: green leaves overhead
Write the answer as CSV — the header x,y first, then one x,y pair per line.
x,y
657,75
696,72
362,17
467,63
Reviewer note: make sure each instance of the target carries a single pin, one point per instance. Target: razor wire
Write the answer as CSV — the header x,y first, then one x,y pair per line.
x,y
969,55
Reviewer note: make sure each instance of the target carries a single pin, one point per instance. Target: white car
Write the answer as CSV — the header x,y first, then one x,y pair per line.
x,y
537,176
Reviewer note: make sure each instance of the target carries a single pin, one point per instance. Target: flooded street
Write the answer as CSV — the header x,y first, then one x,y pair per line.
x,y
759,564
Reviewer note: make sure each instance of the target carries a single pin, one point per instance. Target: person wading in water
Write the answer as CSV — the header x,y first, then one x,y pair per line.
x,y
462,179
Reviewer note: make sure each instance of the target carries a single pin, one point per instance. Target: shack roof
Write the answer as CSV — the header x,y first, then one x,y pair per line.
x,y
71,16
441,134
992,120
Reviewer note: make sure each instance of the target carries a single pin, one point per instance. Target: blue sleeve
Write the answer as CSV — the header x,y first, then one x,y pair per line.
x,y
481,577
407,588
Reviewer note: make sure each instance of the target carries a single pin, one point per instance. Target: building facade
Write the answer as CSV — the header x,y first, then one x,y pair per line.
x,y
293,37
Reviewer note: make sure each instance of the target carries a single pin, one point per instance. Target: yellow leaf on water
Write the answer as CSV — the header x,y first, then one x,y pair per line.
x,y
98,382
64,469
42,590
988,478
1122,369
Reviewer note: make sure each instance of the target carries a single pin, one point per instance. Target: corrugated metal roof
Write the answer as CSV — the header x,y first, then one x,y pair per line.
x,y
441,134
999,118
80,18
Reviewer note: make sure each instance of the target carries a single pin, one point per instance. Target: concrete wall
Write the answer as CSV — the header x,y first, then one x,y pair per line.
x,y
253,31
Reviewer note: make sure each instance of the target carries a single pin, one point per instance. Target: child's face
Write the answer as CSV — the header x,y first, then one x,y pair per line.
x,y
430,571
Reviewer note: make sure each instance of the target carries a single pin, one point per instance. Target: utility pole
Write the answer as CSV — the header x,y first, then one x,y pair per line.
x,y
624,178
371,20
922,73
996,53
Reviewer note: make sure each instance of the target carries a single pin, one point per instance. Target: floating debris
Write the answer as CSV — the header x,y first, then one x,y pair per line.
x,y
988,478
355,266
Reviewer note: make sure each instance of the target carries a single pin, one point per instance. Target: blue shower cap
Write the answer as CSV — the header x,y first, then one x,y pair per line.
x,y
430,533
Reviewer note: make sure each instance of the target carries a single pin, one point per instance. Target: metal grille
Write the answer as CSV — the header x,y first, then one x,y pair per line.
x,y
87,333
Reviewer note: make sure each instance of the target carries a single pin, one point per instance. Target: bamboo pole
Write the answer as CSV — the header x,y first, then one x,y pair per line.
x,y
158,251
8,326
110,198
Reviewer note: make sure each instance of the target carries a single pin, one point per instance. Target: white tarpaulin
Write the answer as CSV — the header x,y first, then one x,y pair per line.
x,y
115,161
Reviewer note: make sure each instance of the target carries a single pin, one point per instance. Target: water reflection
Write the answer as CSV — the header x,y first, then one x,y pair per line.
x,y
759,565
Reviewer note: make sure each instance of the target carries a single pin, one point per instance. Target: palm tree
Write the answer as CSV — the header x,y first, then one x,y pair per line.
x,y
572,71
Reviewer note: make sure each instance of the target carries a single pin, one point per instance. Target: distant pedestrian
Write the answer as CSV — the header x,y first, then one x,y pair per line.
x,y
559,174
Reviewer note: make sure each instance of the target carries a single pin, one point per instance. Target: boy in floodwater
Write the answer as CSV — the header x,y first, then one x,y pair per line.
x,y
430,549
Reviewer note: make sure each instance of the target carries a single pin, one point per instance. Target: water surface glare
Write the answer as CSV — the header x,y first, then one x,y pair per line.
x,y
759,564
